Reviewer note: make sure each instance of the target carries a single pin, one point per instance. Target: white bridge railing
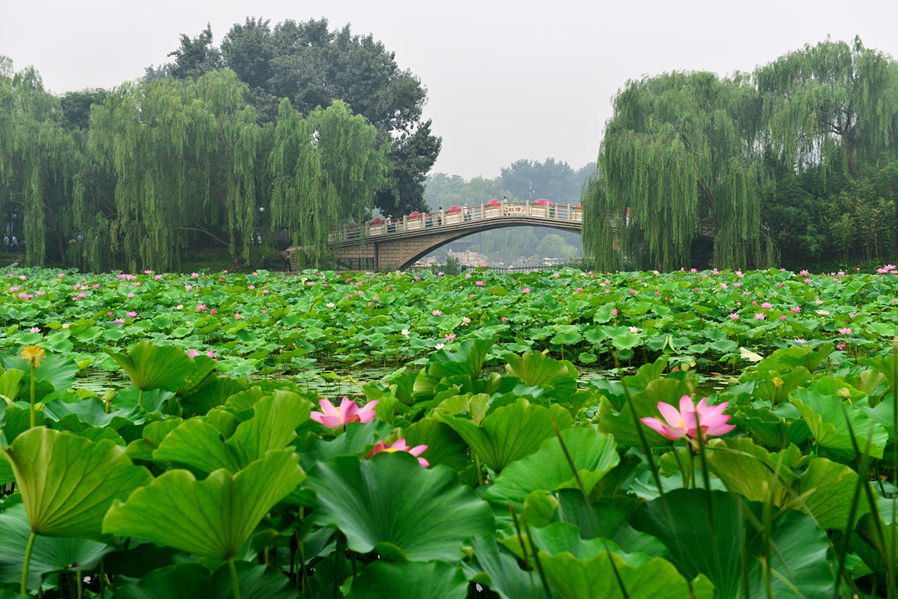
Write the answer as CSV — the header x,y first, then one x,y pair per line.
x,y
444,218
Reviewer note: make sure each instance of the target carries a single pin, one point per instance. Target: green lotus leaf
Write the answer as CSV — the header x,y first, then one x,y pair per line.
x,y
189,581
410,579
201,445
390,504
495,567
68,482
510,432
592,453
582,569
702,544
151,366
825,416
467,359
827,488
535,369
751,470
58,371
49,554
209,518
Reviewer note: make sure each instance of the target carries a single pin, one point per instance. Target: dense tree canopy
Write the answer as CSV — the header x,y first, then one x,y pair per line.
x,y
312,65
796,156
166,164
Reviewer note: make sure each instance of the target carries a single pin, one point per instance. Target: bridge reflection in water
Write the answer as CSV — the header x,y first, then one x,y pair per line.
x,y
398,243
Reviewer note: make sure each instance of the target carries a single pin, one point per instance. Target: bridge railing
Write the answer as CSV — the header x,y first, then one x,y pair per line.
x,y
444,218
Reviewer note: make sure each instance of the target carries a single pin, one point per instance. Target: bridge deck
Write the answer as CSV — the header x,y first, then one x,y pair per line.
x,y
443,220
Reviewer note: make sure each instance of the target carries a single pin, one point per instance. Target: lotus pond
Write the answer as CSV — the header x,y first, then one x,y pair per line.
x,y
185,435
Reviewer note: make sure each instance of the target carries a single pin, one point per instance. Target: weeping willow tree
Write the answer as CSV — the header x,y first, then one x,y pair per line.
x,y
679,159
185,160
324,170
834,104
37,162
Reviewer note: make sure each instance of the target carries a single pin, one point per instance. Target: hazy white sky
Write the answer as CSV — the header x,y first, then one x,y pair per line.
x,y
506,80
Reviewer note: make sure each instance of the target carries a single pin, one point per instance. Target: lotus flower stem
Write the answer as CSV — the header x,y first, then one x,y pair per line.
x,y
235,581
31,403
27,561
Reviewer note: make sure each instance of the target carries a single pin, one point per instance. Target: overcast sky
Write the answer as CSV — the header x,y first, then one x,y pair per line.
x,y
506,80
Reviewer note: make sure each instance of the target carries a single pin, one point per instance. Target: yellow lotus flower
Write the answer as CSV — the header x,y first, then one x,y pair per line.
x,y
33,354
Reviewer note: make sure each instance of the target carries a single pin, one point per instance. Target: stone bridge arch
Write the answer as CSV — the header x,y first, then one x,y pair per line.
x,y
396,244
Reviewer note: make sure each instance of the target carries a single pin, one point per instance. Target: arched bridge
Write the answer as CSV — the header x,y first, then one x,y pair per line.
x,y
398,243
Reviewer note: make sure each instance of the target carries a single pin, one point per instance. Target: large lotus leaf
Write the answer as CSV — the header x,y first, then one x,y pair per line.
x,y
356,440
198,444
17,419
826,489
511,432
201,445
49,554
192,580
68,482
150,438
682,521
535,369
825,416
784,360
496,568
151,366
561,537
210,518
582,569
592,453
9,383
751,470
607,518
212,392
390,504
444,445
56,370
467,359
410,579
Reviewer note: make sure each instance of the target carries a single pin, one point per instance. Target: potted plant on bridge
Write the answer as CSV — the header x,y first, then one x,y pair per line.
x,y
376,226
415,220
540,207
453,214
493,208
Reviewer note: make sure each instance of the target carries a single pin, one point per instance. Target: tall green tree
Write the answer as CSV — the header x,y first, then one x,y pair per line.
x,y
312,66
834,103
323,172
679,158
37,161
185,159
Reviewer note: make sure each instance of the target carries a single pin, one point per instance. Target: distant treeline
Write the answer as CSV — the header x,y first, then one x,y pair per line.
x,y
794,164
288,131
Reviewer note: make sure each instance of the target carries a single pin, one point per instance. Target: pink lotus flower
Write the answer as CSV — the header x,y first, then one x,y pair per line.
x,y
347,412
119,321
685,421
845,331
131,314
400,445
34,330
193,353
436,312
